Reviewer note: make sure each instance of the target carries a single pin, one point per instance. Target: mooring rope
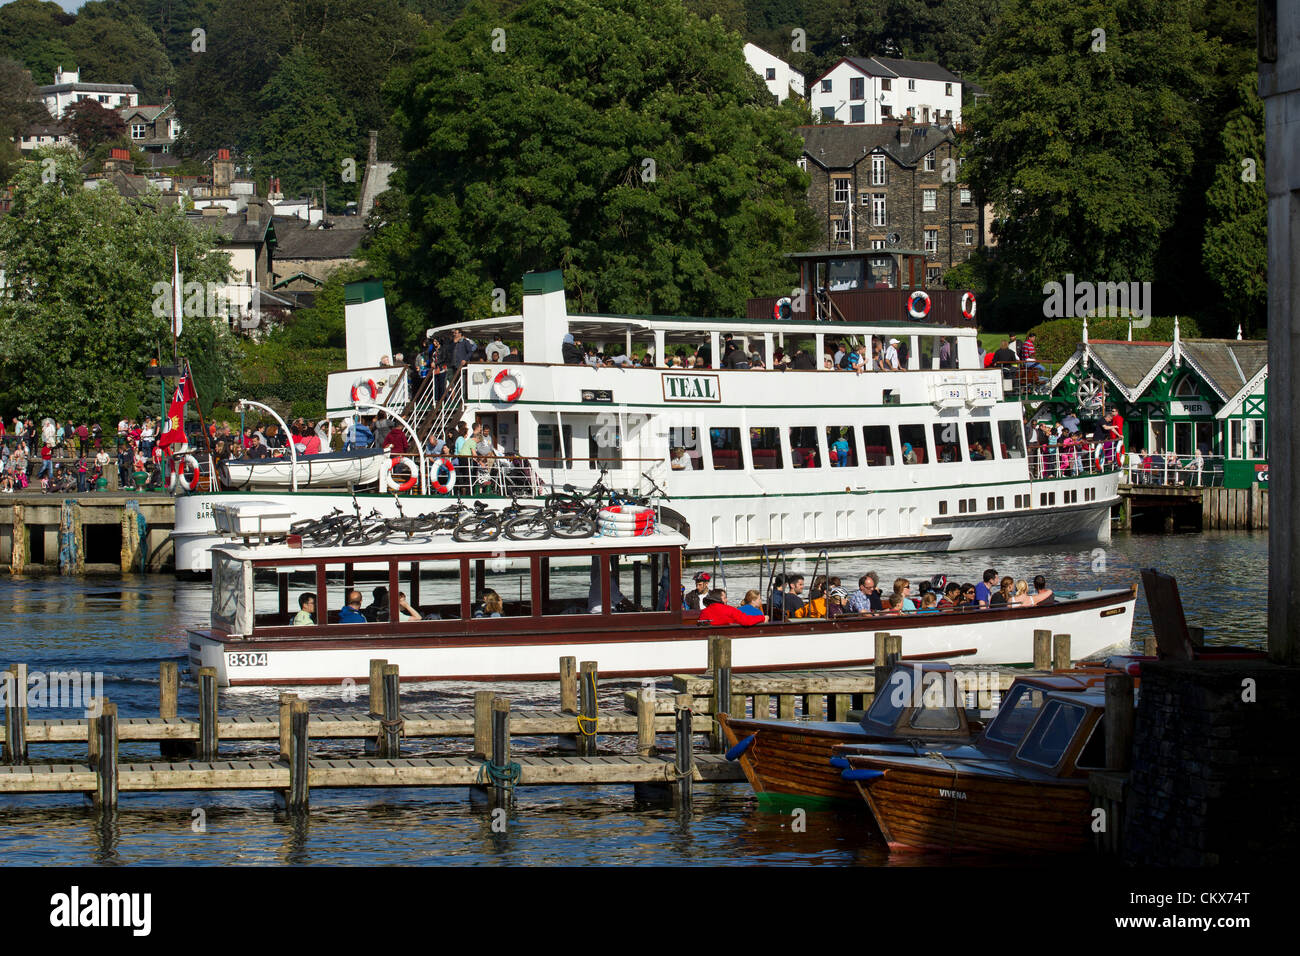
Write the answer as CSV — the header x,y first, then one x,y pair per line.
x,y
582,725
506,776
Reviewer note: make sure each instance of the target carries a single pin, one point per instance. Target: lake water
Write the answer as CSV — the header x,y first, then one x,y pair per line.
x,y
125,627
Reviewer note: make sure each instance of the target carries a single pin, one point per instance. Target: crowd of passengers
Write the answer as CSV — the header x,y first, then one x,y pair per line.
x,y
828,598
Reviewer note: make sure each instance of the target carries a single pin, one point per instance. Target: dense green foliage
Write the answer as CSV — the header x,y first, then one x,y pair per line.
x,y
77,327
629,145
91,125
18,109
1056,339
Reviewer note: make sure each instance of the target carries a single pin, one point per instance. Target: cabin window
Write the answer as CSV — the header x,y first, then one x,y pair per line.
x,y
725,445
936,708
227,586
979,438
433,590
687,439
571,590
911,439
877,445
765,446
339,580
886,706
1093,754
277,596
943,507
632,583
842,446
554,446
947,443
804,452
1017,712
1012,437
1051,734
502,587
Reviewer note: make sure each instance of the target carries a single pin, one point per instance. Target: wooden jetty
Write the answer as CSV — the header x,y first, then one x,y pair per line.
x,y
1192,507
97,532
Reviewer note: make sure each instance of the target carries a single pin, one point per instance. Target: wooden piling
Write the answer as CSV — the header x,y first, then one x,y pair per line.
x,y
569,685
645,721
762,706
92,731
376,699
685,756
483,723
1042,649
1119,721
392,718
286,725
1060,652
16,714
500,748
881,658
169,685
18,553
299,747
587,703
106,766
208,742
721,673
785,706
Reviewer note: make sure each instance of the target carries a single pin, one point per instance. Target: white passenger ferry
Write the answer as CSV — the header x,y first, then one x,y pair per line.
x,y
927,458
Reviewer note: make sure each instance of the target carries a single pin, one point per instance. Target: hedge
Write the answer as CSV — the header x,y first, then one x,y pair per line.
x,y
1057,339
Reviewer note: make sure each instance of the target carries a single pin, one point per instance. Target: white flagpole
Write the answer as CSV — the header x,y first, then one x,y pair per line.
x,y
176,294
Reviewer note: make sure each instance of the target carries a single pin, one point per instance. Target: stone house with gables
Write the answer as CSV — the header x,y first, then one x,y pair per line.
x,y
893,185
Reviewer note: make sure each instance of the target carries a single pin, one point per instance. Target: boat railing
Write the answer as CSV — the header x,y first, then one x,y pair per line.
x,y
449,406
1171,470
1024,381
425,401
1074,460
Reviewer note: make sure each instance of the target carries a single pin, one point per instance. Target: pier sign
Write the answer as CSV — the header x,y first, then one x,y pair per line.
x,y
691,388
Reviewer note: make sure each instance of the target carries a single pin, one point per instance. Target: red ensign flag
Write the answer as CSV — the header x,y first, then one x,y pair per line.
x,y
174,434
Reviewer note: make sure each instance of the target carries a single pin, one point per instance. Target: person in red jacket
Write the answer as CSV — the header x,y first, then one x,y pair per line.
x,y
718,611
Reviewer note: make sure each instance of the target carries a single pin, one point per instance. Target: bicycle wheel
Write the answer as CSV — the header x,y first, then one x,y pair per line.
x,y
532,527
328,536
367,534
572,526
478,528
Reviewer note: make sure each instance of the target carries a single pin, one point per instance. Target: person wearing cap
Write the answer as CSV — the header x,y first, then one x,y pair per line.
x,y
836,599
694,600
890,358
718,611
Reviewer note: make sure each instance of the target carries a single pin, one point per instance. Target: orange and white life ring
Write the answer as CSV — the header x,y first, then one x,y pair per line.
x,y
783,309
438,486
918,304
508,386
624,519
186,474
411,469
368,383
968,305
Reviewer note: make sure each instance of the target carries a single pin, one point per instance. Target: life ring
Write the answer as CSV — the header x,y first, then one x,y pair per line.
x,y
368,383
438,486
411,469
634,515
783,309
968,305
188,463
615,531
918,304
502,391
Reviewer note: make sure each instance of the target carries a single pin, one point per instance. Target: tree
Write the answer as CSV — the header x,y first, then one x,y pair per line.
x,y
1235,253
113,46
18,110
34,32
1086,139
304,137
78,325
90,124
629,145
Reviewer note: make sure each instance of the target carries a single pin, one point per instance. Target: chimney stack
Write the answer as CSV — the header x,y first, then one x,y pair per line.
x,y
904,135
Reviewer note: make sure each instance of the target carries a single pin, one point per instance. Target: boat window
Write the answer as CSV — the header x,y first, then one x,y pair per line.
x,y
842,446
979,437
725,444
435,594
266,598
889,703
804,452
571,588
1046,741
1018,710
554,446
1093,755
295,583
1012,436
947,442
227,583
632,586
687,439
339,580
510,580
938,703
765,446
911,439
877,445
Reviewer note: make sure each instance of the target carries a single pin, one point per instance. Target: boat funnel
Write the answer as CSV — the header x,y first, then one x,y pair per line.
x,y
546,316
366,324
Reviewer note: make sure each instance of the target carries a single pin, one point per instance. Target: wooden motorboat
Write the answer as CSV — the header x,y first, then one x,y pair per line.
x,y
1034,801
919,711
338,469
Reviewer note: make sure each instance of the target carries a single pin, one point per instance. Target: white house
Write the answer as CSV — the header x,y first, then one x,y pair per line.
x,y
776,73
42,134
876,89
68,89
